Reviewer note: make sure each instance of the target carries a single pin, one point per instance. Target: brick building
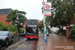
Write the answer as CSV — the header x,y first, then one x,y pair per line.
x,y
3,14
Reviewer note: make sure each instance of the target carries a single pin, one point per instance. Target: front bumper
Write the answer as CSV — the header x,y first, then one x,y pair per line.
x,y
34,36
2,42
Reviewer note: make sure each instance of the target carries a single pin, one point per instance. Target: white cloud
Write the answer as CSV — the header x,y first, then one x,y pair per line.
x,y
31,7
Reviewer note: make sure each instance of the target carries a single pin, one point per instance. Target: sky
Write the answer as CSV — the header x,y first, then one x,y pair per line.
x,y
31,7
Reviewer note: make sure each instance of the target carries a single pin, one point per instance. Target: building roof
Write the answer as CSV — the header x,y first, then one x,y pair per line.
x,y
5,11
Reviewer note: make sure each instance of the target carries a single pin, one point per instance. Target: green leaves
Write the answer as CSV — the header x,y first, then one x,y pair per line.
x,y
12,17
62,13
72,31
12,28
41,24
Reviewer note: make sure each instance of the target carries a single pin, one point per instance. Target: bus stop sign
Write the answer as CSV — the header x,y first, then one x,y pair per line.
x,y
43,3
47,6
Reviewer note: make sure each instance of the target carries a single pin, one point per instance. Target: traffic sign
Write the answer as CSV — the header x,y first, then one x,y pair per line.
x,y
47,12
43,3
47,7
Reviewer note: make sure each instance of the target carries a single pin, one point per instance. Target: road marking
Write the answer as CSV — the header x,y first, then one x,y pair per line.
x,y
25,45
17,45
11,49
16,42
21,45
30,45
10,45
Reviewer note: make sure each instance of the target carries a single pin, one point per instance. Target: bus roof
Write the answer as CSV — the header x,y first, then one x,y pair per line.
x,y
32,19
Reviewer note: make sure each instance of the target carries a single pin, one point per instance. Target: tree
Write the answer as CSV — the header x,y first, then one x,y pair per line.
x,y
17,17
63,12
41,24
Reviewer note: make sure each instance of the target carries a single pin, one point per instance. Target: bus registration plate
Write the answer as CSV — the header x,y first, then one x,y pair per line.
x,y
30,36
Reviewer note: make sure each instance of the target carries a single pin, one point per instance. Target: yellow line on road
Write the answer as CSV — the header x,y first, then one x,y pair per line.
x,y
17,45
11,49
25,45
30,45
16,42
10,45
21,45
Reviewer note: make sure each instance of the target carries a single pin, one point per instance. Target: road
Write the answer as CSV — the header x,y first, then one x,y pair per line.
x,y
24,45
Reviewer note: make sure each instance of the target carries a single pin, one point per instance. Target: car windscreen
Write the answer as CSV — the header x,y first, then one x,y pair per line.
x,y
3,33
31,22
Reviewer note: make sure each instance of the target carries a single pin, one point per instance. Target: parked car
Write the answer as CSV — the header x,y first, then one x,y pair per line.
x,y
5,37
22,33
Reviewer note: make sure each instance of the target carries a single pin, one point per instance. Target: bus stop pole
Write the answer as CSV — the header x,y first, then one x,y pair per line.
x,y
44,32
44,26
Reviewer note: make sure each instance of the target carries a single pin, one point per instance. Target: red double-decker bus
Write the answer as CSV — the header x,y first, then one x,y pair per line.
x,y
32,29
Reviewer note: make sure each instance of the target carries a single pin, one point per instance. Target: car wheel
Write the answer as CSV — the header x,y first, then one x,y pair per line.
x,y
7,43
12,40
19,35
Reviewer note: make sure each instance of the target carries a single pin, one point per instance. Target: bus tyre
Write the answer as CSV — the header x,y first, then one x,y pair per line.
x,y
38,38
28,38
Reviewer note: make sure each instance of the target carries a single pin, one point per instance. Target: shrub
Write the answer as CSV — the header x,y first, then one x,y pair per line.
x,y
12,28
72,31
5,27
0,28
62,32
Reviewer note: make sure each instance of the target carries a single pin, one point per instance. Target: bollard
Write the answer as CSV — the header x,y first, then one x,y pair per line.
x,y
46,39
46,35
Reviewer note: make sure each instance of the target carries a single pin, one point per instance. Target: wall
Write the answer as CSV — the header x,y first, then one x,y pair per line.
x,y
3,19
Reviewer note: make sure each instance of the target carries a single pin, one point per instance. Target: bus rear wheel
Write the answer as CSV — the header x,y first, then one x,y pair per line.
x,y
28,38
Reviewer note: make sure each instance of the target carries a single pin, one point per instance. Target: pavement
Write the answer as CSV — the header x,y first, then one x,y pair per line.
x,y
55,42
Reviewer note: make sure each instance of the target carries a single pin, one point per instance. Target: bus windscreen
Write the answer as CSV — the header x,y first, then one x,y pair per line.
x,y
31,22
31,28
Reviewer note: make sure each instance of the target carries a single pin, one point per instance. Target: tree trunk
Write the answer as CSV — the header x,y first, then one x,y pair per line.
x,y
74,2
74,5
18,29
